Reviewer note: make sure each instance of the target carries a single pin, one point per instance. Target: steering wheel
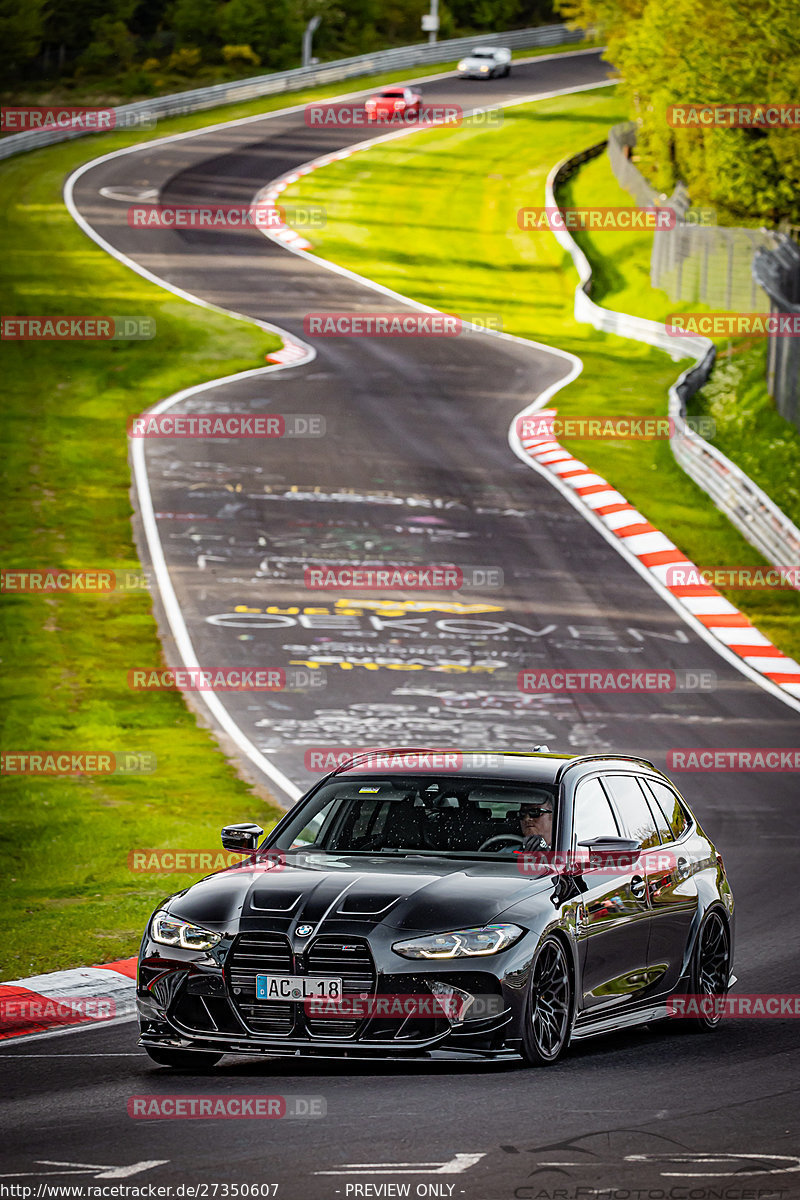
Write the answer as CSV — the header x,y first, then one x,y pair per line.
x,y
508,839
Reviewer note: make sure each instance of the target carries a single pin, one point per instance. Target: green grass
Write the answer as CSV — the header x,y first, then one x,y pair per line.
x,y
749,429
458,247
68,897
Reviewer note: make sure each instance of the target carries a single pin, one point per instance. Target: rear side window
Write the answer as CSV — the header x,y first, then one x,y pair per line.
x,y
660,816
593,817
671,806
633,808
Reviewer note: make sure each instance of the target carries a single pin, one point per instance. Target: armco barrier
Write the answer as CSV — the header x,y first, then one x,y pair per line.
x,y
749,508
180,103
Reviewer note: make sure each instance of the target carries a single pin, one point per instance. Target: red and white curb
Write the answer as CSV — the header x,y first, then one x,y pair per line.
x,y
289,353
64,1000
659,556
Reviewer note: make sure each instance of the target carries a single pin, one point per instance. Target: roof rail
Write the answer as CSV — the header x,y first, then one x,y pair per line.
x,y
583,758
367,752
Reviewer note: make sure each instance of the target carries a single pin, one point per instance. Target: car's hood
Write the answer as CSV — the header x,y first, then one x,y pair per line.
x,y
478,62
401,893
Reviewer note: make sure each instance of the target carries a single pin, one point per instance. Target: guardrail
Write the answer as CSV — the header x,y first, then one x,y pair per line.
x,y
144,112
749,508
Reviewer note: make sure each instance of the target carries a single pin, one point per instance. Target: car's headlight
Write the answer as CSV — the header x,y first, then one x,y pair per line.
x,y
172,931
462,66
484,68
461,943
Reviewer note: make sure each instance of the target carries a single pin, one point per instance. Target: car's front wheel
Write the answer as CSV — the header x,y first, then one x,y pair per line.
x,y
195,1060
548,1011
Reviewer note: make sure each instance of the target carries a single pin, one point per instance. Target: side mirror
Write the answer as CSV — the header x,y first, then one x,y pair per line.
x,y
614,852
244,837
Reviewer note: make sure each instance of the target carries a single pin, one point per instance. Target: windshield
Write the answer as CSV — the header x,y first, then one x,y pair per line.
x,y
392,96
422,814
482,54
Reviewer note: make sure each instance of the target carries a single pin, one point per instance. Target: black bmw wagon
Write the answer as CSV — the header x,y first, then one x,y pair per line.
x,y
422,902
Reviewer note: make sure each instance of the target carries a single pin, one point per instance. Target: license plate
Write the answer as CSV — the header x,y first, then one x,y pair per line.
x,y
298,987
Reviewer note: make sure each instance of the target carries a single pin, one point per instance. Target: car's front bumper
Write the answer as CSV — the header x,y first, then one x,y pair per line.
x,y
192,1001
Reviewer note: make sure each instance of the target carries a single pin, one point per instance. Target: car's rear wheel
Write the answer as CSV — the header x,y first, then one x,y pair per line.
x,y
548,1012
711,968
194,1060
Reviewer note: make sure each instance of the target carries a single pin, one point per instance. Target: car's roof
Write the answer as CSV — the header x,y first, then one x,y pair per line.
x,y
532,767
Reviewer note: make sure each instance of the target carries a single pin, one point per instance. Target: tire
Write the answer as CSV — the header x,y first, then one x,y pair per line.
x,y
710,969
548,1009
182,1059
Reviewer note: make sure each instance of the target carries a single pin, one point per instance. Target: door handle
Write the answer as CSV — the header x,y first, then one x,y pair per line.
x,y
638,887
682,868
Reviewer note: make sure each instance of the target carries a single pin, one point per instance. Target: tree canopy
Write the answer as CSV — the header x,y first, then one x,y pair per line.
x,y
723,52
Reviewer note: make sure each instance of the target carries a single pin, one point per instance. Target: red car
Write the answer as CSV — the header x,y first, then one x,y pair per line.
x,y
394,103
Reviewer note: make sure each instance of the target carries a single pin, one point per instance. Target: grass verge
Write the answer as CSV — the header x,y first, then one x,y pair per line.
x,y
461,250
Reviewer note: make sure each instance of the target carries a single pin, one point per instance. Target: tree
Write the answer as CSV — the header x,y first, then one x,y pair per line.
x,y
20,33
669,55
195,23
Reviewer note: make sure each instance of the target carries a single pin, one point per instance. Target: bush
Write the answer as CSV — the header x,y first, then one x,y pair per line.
x,y
241,54
185,60
138,83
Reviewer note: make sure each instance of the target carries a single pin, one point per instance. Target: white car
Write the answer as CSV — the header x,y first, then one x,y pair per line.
x,y
485,62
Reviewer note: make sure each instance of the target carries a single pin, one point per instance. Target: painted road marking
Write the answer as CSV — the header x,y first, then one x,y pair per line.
x,y
99,1171
455,1166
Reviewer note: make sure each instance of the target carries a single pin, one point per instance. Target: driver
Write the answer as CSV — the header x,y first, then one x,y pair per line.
x,y
536,823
